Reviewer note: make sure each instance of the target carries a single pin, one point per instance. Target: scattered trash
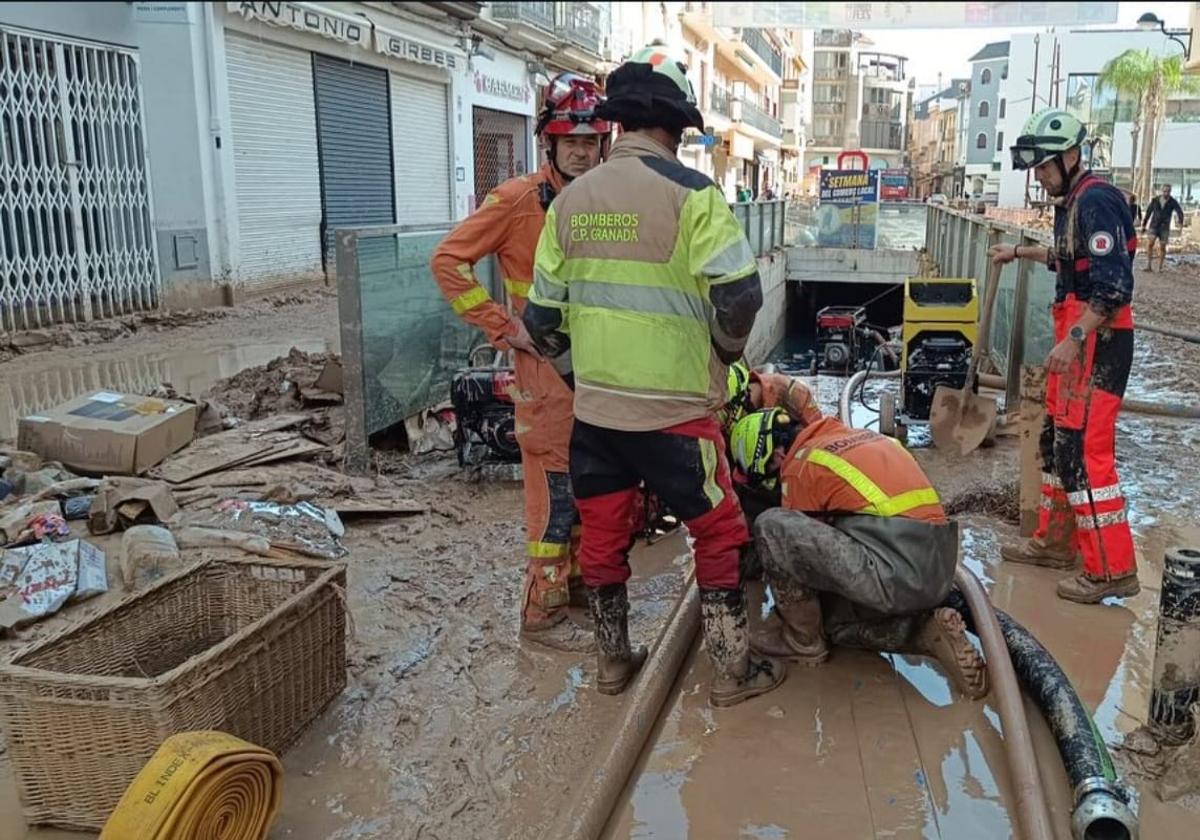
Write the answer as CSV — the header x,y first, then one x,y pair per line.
x,y
122,502
197,537
49,526
109,433
147,551
278,386
47,575
302,528
77,507
15,518
253,444
6,488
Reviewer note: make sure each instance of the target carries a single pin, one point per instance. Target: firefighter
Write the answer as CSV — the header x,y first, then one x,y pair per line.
x,y
1082,510
861,550
749,390
645,290
507,224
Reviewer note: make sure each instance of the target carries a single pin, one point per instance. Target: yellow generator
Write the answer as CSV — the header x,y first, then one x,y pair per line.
x,y
941,322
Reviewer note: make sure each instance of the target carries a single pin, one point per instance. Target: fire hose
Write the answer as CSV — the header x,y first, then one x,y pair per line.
x,y
200,786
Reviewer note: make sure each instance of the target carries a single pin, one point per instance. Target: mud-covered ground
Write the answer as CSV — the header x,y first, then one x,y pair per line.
x,y
452,727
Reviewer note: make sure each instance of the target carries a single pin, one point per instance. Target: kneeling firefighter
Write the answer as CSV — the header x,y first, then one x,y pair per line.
x,y
507,224
645,289
861,550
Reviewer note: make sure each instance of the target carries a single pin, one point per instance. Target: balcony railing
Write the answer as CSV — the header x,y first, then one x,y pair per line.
x,y
579,23
756,117
755,40
832,109
881,135
831,74
833,38
720,101
536,14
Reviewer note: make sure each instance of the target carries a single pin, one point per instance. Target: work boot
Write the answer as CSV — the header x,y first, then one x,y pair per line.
x,y
796,635
544,618
578,595
616,661
1036,551
1083,589
737,675
943,636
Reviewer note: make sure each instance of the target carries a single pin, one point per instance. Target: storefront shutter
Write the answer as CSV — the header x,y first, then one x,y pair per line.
x,y
421,144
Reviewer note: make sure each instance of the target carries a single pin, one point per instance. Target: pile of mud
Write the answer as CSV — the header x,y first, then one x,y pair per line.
x,y
273,388
1000,499
98,332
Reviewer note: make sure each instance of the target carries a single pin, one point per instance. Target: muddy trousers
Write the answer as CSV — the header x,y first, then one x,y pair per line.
x,y
685,466
552,537
864,603
1082,505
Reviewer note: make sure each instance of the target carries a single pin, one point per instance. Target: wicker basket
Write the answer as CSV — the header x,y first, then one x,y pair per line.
x,y
256,649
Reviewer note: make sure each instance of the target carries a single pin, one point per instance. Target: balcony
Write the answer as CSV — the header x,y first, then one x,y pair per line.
x,y
833,38
831,74
881,135
880,112
883,67
721,101
756,117
829,109
579,24
540,15
755,40
546,27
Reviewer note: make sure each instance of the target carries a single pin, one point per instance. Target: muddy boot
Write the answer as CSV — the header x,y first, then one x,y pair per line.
x,y
737,675
1039,552
578,594
796,636
1088,590
544,618
943,636
616,661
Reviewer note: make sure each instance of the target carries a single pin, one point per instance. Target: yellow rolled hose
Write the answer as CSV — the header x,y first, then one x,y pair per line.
x,y
200,786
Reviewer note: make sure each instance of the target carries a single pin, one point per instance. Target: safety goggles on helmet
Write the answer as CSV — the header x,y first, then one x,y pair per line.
x,y
752,442
1027,153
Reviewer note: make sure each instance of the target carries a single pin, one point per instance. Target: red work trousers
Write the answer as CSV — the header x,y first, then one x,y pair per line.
x,y
1081,495
686,467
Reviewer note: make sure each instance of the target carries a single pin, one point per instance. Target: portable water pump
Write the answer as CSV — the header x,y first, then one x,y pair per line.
x,y
485,416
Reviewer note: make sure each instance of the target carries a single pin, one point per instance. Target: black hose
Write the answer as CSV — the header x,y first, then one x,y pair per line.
x,y
1083,751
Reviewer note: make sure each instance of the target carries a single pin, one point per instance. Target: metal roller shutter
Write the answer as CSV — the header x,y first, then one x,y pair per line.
x,y
420,115
354,134
275,161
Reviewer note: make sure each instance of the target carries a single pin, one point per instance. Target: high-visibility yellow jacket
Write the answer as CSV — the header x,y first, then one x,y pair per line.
x,y
645,286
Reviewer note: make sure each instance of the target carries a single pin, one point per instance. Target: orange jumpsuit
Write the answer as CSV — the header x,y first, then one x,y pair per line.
x,y
508,224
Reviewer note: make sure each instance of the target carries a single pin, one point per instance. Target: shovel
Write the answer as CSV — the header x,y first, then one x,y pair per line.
x,y
961,419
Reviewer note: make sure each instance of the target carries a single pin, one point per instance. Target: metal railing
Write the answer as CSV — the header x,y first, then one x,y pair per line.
x,y
755,40
1021,328
833,38
754,116
829,108
579,23
720,101
763,222
539,14
831,74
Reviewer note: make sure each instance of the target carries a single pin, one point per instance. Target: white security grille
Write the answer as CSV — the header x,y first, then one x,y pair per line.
x,y
76,241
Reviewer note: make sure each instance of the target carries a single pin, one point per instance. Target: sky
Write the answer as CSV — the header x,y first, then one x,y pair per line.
x,y
947,50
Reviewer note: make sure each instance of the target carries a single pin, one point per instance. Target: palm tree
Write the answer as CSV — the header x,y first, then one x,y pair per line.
x,y
1147,79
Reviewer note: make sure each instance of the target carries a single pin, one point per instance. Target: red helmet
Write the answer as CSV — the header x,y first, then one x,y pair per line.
x,y
570,107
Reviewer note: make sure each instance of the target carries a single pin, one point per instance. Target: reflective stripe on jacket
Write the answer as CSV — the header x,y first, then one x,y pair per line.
x,y
835,469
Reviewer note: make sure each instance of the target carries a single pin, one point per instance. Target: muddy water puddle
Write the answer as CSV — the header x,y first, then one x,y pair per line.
x,y
190,369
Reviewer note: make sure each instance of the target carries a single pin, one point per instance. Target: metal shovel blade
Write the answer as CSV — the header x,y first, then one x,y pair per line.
x,y
960,419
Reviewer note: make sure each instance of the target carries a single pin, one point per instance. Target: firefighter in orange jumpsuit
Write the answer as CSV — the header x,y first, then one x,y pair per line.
x,y
508,224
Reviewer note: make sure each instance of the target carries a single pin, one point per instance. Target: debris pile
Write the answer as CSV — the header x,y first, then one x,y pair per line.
x,y
286,384
1000,499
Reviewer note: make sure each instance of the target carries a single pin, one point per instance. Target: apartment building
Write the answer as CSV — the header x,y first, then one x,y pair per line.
x,y
989,68
935,138
861,99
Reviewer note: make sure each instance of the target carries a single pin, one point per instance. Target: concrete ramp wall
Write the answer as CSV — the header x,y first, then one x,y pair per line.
x,y
850,265
771,323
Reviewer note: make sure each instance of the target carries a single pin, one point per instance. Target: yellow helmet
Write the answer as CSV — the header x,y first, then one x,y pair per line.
x,y
752,442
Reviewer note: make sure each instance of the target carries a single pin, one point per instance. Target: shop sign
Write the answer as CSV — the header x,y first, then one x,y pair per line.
x,y
501,88
398,46
306,18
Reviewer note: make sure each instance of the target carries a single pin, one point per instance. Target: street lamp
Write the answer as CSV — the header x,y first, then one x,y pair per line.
x,y
1150,22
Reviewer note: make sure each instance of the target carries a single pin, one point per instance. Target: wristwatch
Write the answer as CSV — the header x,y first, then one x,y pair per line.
x,y
1077,334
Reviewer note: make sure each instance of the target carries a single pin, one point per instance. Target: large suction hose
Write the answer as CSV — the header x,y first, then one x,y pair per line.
x,y
852,383
1101,809
1032,811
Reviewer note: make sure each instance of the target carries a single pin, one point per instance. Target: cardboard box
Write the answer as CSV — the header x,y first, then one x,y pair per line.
x,y
109,433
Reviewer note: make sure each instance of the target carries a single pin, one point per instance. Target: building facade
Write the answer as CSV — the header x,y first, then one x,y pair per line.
x,y
211,148
934,146
860,101
989,69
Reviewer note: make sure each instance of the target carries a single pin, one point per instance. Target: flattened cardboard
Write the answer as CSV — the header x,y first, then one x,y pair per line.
x,y
122,502
107,433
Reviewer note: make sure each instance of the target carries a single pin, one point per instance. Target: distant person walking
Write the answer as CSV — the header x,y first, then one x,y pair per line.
x,y
1135,209
1158,223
